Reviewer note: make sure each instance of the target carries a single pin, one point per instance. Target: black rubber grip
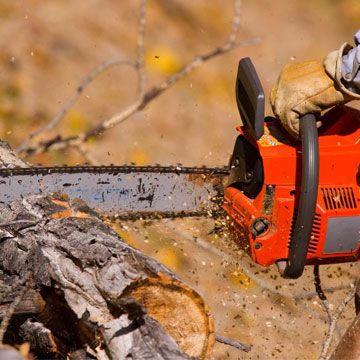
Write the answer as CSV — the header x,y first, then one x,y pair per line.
x,y
308,197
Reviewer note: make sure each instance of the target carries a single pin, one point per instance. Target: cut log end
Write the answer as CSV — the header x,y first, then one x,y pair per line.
x,y
180,310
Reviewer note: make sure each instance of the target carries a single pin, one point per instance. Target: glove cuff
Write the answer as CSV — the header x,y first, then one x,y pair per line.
x,y
333,67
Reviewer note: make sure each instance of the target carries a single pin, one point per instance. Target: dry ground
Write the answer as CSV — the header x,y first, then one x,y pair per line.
x,y
46,47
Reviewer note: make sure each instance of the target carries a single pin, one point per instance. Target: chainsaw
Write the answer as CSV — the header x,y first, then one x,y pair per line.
x,y
293,204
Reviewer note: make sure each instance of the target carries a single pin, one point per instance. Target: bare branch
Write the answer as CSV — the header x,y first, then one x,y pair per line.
x,y
88,79
235,26
230,44
333,316
140,103
140,49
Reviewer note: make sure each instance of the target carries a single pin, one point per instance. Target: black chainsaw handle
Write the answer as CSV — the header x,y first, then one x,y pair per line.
x,y
308,197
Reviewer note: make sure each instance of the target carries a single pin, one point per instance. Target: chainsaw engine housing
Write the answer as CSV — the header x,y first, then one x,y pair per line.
x,y
262,196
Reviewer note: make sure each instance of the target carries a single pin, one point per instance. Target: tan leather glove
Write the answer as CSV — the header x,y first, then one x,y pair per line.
x,y
309,87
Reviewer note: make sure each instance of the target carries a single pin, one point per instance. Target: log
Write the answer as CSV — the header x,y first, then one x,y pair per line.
x,y
91,294
40,338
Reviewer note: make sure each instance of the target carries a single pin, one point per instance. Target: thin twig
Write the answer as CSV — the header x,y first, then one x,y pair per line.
x,y
87,80
140,49
138,65
57,143
6,319
333,316
334,319
234,343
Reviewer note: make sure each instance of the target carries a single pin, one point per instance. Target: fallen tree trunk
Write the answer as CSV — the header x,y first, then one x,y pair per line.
x,y
91,295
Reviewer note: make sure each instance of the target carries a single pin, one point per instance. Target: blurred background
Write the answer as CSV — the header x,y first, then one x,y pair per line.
x,y
47,47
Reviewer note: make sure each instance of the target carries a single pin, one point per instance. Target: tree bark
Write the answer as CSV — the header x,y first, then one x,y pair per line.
x,y
92,295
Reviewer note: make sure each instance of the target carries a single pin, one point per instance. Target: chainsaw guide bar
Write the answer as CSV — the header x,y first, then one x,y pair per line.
x,y
124,192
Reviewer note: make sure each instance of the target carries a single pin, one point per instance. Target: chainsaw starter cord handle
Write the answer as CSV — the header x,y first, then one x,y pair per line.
x,y
308,197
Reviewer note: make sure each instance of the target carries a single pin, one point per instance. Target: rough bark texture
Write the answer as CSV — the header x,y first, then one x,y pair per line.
x,y
8,158
92,295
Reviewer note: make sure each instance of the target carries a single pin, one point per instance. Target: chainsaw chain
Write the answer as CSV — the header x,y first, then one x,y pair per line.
x,y
5,172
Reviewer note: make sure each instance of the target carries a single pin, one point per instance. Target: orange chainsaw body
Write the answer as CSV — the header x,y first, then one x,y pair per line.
x,y
265,219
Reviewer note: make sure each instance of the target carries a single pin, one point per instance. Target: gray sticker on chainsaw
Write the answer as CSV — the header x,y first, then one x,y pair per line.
x,y
343,234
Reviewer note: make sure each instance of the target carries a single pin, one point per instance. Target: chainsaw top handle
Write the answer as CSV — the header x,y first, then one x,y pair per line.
x,y
308,198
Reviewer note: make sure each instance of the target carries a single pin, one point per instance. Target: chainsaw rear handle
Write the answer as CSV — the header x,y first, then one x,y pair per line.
x,y
308,197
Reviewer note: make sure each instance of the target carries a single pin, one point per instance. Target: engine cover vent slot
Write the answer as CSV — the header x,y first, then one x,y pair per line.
x,y
315,232
336,198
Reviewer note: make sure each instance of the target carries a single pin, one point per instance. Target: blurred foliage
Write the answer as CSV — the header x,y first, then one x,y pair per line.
x,y
10,92
139,157
6,9
162,60
75,122
349,10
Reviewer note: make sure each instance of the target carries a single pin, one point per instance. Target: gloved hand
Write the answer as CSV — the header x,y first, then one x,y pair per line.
x,y
313,86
